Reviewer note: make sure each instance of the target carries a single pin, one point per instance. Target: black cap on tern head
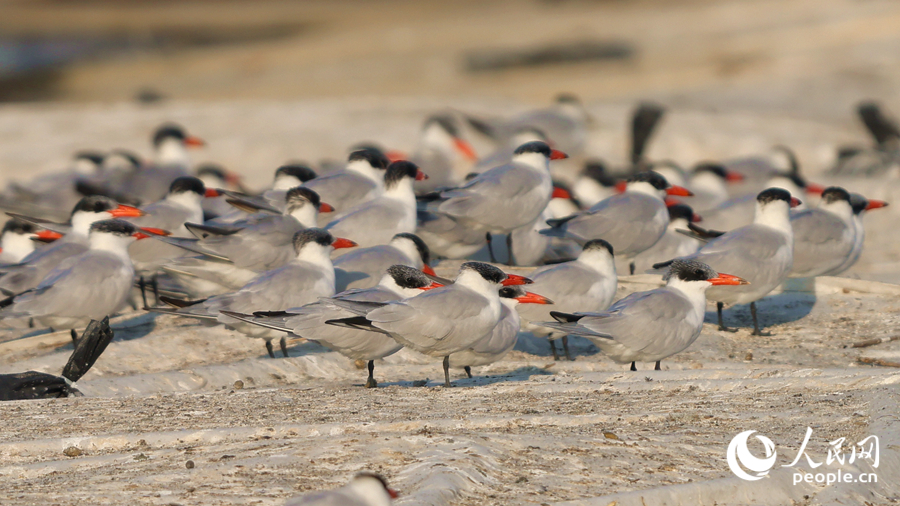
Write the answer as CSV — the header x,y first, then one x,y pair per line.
x,y
773,194
487,271
212,169
512,292
689,270
445,121
835,194
18,227
534,147
374,157
297,170
399,170
188,184
421,247
117,227
596,244
95,204
680,211
298,196
596,170
168,131
94,157
408,277
648,176
713,168
317,235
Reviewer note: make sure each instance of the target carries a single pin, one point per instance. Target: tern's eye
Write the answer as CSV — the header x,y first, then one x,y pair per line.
x,y
698,272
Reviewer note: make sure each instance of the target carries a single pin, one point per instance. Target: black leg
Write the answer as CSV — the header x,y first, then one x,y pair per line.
x,y
509,261
657,368
155,283
31,323
447,371
631,267
143,286
487,237
74,335
553,349
283,343
633,368
269,349
468,371
756,331
565,341
371,383
722,326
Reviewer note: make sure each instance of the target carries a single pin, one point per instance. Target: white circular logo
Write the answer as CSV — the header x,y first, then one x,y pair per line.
x,y
739,455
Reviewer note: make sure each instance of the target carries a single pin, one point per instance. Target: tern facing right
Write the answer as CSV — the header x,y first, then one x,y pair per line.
x,y
653,325
761,253
442,321
365,489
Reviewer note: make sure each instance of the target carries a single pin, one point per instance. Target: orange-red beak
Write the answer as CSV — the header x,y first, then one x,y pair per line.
x,y
326,208
728,279
340,242
556,154
696,218
47,235
515,279
465,149
621,186
733,177
795,202
150,232
432,286
421,176
194,142
560,193
533,298
876,204
678,191
815,189
211,192
394,155
428,270
124,211
393,493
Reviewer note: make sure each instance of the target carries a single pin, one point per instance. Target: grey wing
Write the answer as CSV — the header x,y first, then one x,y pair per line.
x,y
364,268
342,190
267,244
92,284
434,320
486,195
371,223
38,264
736,250
163,215
621,219
276,290
650,322
820,240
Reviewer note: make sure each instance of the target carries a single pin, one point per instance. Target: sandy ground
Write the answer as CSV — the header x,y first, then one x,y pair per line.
x,y
525,430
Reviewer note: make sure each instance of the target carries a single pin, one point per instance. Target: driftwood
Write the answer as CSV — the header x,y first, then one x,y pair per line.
x,y
873,342
878,361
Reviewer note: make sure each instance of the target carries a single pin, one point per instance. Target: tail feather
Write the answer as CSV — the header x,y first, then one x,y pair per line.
x,y
356,322
253,320
94,340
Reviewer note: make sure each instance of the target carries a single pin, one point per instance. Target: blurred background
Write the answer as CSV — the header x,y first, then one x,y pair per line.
x,y
809,57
